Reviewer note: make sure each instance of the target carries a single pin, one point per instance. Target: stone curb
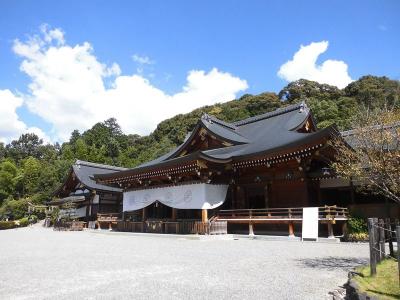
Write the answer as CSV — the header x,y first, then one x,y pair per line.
x,y
353,290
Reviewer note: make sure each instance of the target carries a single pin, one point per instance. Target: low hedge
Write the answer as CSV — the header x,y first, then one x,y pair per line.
x,y
7,225
23,222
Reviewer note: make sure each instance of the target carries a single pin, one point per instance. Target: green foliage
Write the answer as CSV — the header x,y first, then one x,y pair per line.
x,y
14,209
375,92
23,222
357,225
357,237
7,225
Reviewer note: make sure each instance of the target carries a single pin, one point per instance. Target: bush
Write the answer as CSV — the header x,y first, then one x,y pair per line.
x,y
357,225
7,225
24,222
357,237
357,229
33,219
15,209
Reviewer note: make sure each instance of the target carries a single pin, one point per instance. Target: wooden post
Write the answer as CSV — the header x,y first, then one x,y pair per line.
x,y
174,214
389,236
344,228
204,215
109,226
330,230
251,229
371,233
291,229
144,215
376,241
382,239
398,252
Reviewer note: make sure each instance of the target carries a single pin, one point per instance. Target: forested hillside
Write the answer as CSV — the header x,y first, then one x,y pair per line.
x,y
31,170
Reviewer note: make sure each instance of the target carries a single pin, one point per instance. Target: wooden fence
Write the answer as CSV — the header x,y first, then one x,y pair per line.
x,y
382,231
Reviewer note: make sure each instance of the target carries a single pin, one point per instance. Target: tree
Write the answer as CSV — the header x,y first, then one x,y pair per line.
x,y
27,145
75,135
2,151
31,176
375,92
8,173
371,153
302,89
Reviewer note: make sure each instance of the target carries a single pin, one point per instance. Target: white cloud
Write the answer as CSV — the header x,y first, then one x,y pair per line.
x,y
304,66
142,59
68,90
11,127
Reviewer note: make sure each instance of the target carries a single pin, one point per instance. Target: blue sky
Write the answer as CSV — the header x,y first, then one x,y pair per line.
x,y
161,42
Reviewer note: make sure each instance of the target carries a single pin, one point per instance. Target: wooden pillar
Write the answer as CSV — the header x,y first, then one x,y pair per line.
x,y
109,226
266,192
204,215
174,213
233,196
352,199
330,230
291,229
344,228
251,229
144,214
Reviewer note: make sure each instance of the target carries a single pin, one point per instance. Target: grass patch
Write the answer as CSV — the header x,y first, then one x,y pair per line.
x,y
385,284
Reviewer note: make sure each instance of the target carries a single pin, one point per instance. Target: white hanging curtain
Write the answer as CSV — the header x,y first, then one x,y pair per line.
x,y
190,196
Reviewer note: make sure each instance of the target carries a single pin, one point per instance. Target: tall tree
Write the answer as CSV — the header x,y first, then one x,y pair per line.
x,y
374,155
29,144
375,92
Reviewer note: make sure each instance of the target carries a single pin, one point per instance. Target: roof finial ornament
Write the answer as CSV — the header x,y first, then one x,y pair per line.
x,y
303,106
206,117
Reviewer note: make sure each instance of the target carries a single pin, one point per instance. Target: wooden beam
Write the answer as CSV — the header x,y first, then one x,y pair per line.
x,y
174,213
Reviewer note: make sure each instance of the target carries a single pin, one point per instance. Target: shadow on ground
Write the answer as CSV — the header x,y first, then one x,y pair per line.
x,y
333,263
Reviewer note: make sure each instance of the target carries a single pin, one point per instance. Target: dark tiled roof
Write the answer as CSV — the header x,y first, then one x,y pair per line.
x,y
85,173
266,133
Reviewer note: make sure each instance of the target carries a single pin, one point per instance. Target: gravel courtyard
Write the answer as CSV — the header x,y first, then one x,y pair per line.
x,y
39,263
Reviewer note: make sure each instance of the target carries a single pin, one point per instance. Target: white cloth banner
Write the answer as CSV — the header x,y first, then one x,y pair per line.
x,y
189,196
310,223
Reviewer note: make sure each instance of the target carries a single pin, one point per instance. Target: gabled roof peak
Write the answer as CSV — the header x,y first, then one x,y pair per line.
x,y
302,106
212,119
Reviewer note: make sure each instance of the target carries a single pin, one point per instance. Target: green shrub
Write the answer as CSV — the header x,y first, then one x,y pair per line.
x,y
357,237
24,222
7,225
15,209
357,225
33,219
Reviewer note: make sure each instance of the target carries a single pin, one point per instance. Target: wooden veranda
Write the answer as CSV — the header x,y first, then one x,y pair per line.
x,y
218,223
326,215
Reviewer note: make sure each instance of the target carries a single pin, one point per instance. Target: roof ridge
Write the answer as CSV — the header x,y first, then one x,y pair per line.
x,y
276,112
213,119
97,165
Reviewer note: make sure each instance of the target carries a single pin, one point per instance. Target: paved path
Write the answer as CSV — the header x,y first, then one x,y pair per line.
x,y
38,263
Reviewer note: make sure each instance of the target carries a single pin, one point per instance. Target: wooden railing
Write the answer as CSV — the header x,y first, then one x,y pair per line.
x,y
161,226
108,217
293,213
69,225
